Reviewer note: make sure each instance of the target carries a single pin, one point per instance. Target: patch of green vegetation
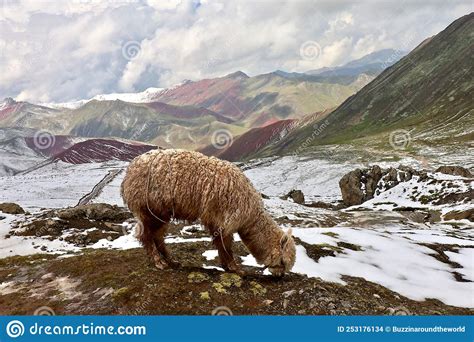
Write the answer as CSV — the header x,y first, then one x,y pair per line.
x,y
219,287
257,289
230,279
197,277
227,281
350,246
123,293
426,199
205,295
20,260
331,234
108,273
331,247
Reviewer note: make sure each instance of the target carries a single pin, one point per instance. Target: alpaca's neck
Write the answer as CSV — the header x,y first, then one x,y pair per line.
x,y
262,237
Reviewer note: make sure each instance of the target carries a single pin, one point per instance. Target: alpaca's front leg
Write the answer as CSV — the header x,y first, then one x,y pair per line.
x,y
224,248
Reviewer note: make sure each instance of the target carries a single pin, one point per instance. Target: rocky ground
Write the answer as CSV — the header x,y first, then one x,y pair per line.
x,y
125,282
114,281
398,249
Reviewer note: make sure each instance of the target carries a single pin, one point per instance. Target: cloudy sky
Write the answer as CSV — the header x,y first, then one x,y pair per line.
x,y
68,50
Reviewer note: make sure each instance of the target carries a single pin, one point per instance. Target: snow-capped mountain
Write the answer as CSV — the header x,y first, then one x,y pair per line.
x,y
141,97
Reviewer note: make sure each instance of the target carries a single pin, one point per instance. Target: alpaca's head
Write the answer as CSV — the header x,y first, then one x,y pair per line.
x,y
283,256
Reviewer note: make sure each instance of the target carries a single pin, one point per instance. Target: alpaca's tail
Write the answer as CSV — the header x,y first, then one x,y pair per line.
x,y
144,234
122,193
138,230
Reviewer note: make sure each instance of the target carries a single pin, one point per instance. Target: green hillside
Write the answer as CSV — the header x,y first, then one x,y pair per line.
x,y
427,94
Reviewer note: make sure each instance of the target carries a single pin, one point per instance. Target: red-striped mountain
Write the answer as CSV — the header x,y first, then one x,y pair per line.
x,y
186,115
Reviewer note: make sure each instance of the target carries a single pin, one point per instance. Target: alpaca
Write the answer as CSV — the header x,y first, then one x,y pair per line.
x,y
164,184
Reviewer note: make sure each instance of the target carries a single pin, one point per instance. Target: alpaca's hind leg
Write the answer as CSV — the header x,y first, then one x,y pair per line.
x,y
159,239
149,230
224,248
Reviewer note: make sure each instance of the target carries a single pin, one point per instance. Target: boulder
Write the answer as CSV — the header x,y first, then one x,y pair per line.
x,y
296,195
95,211
434,216
359,185
350,185
320,204
11,208
457,215
454,170
373,176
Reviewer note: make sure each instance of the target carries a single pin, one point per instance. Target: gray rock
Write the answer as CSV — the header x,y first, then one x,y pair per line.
x,y
289,293
11,208
350,185
296,195
457,215
374,175
95,211
454,170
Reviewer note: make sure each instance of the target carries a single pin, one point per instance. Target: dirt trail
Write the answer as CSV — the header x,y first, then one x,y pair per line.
x,y
97,189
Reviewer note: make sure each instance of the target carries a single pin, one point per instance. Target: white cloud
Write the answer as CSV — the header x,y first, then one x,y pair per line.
x,y
59,51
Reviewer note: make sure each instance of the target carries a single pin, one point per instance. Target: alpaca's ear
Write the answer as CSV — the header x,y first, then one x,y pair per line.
x,y
285,238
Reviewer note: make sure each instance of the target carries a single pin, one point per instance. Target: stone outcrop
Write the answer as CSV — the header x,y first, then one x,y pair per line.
x,y
467,214
296,195
11,208
360,185
455,171
95,211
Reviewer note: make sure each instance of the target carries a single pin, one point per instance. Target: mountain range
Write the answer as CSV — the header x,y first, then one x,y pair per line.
x,y
185,115
275,113
425,98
